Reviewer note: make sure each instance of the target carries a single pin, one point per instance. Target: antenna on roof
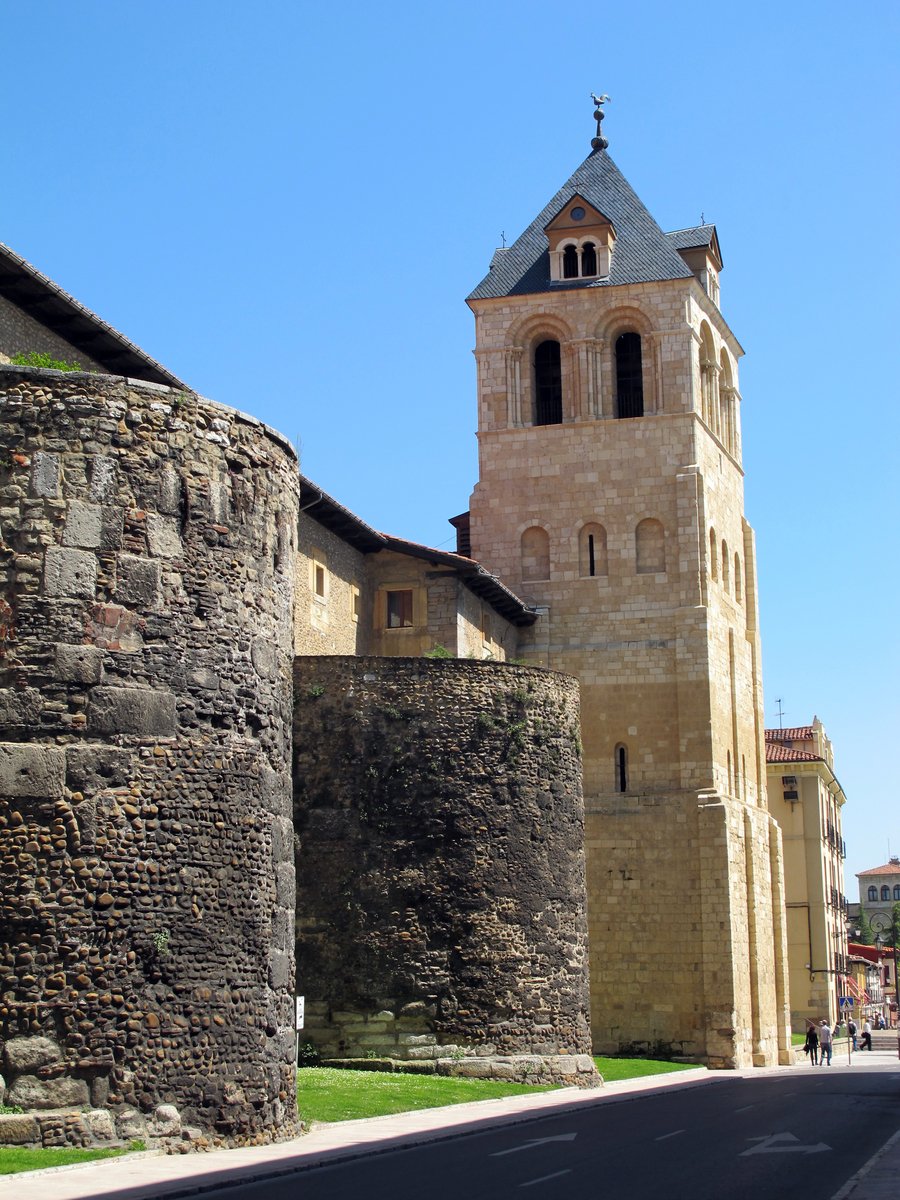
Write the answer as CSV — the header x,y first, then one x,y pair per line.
x,y
780,714
598,142
703,218
503,238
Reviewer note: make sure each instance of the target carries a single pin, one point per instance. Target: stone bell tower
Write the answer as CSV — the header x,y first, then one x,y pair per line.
x,y
610,496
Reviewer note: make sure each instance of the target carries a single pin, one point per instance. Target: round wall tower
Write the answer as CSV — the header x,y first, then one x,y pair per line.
x,y
441,899
146,851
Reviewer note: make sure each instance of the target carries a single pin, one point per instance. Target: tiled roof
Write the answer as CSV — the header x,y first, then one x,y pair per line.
x,y
797,733
784,754
46,302
697,235
891,868
473,575
642,254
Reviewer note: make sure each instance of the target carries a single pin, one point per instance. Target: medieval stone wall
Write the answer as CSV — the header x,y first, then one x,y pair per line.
x,y
146,850
438,812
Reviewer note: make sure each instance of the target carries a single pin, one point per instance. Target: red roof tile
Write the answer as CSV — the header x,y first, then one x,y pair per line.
x,y
797,733
784,754
891,868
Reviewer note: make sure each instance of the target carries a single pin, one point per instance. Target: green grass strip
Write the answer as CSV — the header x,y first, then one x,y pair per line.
x,y
634,1068
19,1158
329,1094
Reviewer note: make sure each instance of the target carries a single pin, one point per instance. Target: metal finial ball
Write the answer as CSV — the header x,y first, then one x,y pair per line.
x,y
599,143
599,114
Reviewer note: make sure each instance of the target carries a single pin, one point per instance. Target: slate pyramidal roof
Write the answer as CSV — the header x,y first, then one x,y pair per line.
x,y
643,252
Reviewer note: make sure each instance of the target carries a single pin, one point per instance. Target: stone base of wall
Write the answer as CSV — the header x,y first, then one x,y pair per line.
x,y
104,1129
100,1129
562,1070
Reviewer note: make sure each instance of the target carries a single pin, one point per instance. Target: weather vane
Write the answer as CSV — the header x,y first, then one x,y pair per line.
x,y
599,142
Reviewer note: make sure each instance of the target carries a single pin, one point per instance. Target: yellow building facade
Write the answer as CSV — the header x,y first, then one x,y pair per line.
x,y
807,800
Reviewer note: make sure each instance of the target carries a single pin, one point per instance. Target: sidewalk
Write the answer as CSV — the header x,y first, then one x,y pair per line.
x,y
164,1177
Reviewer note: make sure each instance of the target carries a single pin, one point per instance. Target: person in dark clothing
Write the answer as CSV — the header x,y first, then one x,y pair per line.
x,y
811,1045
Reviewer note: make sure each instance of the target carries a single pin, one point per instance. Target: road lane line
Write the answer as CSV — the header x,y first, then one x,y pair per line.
x,y
674,1133
544,1178
746,1108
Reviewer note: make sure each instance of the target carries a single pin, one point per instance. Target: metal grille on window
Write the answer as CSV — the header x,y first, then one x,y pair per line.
x,y
629,376
547,384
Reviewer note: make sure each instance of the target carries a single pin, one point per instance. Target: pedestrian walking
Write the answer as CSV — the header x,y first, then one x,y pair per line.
x,y
826,1043
811,1045
867,1034
852,1030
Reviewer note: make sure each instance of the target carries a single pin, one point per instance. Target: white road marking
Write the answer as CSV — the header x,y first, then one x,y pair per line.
x,y
562,1137
674,1133
544,1178
782,1143
746,1108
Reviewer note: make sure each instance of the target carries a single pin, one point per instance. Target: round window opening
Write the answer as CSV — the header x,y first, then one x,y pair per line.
x,y
577,213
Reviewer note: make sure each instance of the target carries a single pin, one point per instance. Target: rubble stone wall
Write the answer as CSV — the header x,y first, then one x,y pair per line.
x,y
146,848
439,821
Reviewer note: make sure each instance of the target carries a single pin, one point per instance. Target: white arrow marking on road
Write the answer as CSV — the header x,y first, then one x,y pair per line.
x,y
782,1143
562,1137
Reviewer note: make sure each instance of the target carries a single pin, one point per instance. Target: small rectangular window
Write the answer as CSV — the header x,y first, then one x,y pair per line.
x,y
400,609
319,586
355,603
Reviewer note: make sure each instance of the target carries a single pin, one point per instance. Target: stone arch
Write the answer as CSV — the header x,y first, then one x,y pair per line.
x,y
650,547
593,556
726,567
612,325
709,378
524,337
535,553
713,555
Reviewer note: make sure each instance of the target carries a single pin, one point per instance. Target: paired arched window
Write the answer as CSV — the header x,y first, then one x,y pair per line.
x,y
621,768
547,384
738,585
885,892
726,582
873,893
713,555
579,263
629,376
650,547
535,547
592,553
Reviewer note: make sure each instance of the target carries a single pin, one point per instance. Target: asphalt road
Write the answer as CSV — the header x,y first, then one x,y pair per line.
x,y
793,1136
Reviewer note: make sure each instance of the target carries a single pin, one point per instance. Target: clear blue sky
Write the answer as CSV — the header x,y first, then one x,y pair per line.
x,y
286,203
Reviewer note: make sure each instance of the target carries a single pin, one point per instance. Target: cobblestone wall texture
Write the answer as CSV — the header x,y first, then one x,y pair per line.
x,y
439,821
146,851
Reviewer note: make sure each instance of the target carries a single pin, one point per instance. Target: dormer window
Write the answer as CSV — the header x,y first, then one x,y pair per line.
x,y
581,241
